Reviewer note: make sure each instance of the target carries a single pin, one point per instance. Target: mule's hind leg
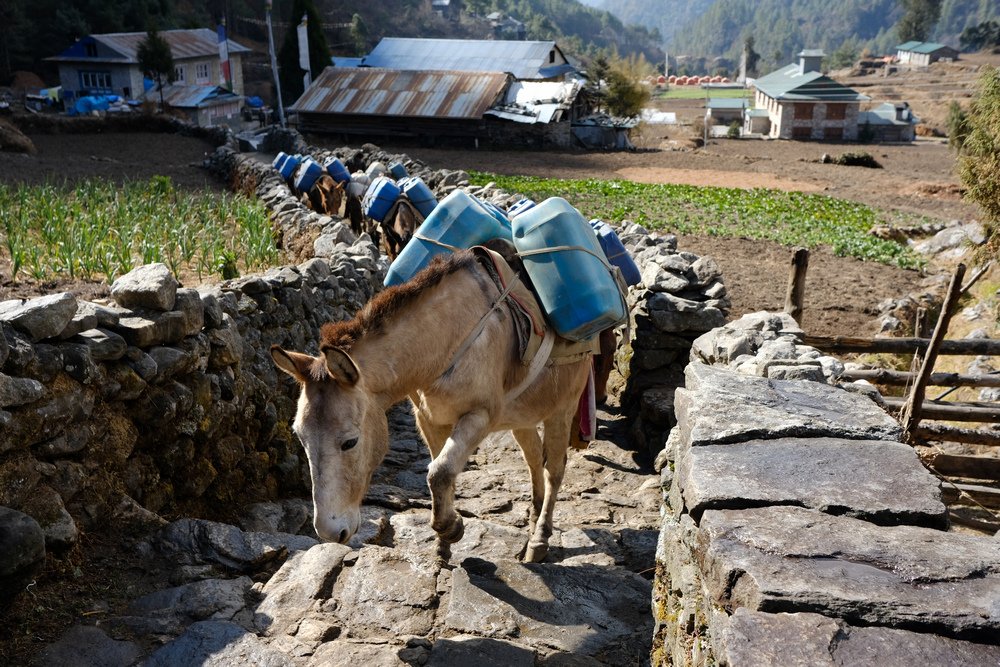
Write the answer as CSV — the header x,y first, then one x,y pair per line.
x,y
531,447
554,446
469,430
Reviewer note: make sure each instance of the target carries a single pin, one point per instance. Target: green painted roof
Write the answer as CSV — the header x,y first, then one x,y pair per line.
x,y
789,83
922,47
906,46
725,103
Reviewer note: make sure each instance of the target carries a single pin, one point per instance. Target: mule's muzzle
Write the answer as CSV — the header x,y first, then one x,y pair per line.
x,y
336,529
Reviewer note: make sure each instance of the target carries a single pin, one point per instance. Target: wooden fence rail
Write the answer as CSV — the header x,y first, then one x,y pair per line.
x,y
959,412
885,376
968,346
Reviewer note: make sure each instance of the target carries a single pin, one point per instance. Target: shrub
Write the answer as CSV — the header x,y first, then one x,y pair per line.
x,y
859,159
735,130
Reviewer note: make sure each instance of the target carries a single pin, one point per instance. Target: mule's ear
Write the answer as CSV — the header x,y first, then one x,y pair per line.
x,y
295,364
340,366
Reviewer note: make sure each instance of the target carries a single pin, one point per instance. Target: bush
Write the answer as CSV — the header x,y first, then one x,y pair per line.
x,y
735,130
859,159
979,163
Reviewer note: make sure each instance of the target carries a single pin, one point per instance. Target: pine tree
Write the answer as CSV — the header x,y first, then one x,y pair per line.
x,y
918,20
292,85
156,60
979,162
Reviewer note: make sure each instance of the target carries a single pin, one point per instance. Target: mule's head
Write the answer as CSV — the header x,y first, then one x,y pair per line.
x,y
344,432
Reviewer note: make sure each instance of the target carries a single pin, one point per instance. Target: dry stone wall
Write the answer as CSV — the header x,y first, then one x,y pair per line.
x,y
798,530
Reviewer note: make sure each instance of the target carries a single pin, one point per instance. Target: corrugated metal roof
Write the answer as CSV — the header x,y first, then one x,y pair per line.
x,y
523,59
184,44
928,47
906,46
388,92
189,97
536,101
725,103
887,113
789,83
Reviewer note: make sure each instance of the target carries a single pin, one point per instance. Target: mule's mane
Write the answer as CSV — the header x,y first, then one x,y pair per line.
x,y
391,300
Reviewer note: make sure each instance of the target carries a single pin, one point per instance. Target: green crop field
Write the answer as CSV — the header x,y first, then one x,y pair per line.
x,y
697,92
790,218
102,230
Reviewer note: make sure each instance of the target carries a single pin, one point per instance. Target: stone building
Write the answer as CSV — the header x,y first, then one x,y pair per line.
x,y
108,64
802,103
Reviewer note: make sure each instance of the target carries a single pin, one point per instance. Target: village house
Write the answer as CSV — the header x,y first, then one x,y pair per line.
x,y
888,122
204,106
922,54
524,60
108,64
512,93
724,110
802,103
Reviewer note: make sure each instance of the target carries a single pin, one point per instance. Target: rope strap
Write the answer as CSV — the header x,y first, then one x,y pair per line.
x,y
452,248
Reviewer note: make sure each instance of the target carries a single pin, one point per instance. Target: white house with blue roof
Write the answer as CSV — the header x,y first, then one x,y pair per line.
x,y
803,103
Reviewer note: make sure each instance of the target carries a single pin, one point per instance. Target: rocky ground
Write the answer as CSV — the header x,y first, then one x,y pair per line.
x,y
389,602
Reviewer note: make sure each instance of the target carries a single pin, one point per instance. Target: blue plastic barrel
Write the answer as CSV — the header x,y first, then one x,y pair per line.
x,y
495,211
278,159
616,252
379,198
571,276
520,206
458,221
309,171
289,166
397,171
417,192
337,170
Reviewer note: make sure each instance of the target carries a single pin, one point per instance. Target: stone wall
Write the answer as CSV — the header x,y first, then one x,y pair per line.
x,y
798,530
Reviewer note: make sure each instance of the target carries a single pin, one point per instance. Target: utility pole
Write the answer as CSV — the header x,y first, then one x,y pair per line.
x,y
274,64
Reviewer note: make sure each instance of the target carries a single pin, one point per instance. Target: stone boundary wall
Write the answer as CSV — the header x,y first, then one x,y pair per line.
x,y
799,530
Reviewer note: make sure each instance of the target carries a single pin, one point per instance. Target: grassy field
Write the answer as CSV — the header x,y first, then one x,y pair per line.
x,y
697,92
100,230
790,218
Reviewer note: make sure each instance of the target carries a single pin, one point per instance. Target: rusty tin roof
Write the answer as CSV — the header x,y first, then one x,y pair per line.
x,y
374,91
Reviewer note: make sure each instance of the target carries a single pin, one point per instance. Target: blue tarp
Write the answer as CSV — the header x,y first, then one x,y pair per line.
x,y
85,105
254,102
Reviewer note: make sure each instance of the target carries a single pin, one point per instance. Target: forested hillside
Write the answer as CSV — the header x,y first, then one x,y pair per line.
x,y
31,30
781,28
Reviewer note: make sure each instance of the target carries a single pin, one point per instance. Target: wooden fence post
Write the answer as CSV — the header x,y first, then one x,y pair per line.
x,y
796,292
910,416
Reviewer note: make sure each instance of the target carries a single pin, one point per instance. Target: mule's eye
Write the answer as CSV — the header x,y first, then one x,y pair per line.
x,y
348,444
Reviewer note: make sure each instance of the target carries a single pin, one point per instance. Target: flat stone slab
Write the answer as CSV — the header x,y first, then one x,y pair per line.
x,y
718,406
218,643
305,578
384,592
790,559
87,646
810,640
587,610
879,481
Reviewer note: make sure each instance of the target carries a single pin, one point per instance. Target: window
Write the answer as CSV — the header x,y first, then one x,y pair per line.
x,y
836,111
803,111
95,82
91,50
180,74
552,56
201,73
833,134
801,133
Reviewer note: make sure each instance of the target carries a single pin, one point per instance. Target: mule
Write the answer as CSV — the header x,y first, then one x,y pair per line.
x,y
441,340
353,212
398,226
326,195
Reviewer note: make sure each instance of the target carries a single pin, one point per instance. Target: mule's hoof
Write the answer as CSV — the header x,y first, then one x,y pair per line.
x,y
536,552
443,553
453,533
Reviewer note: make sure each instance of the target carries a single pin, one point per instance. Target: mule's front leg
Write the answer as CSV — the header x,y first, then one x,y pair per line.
x,y
469,430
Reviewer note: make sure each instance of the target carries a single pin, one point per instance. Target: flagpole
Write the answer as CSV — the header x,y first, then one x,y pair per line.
x,y
274,64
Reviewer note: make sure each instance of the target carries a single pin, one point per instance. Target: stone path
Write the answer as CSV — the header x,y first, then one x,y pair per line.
x,y
386,601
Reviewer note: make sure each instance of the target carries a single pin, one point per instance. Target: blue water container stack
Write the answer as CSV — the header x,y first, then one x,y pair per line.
x,y
568,269
419,194
288,166
381,195
397,171
278,159
309,171
519,207
616,252
337,170
458,221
